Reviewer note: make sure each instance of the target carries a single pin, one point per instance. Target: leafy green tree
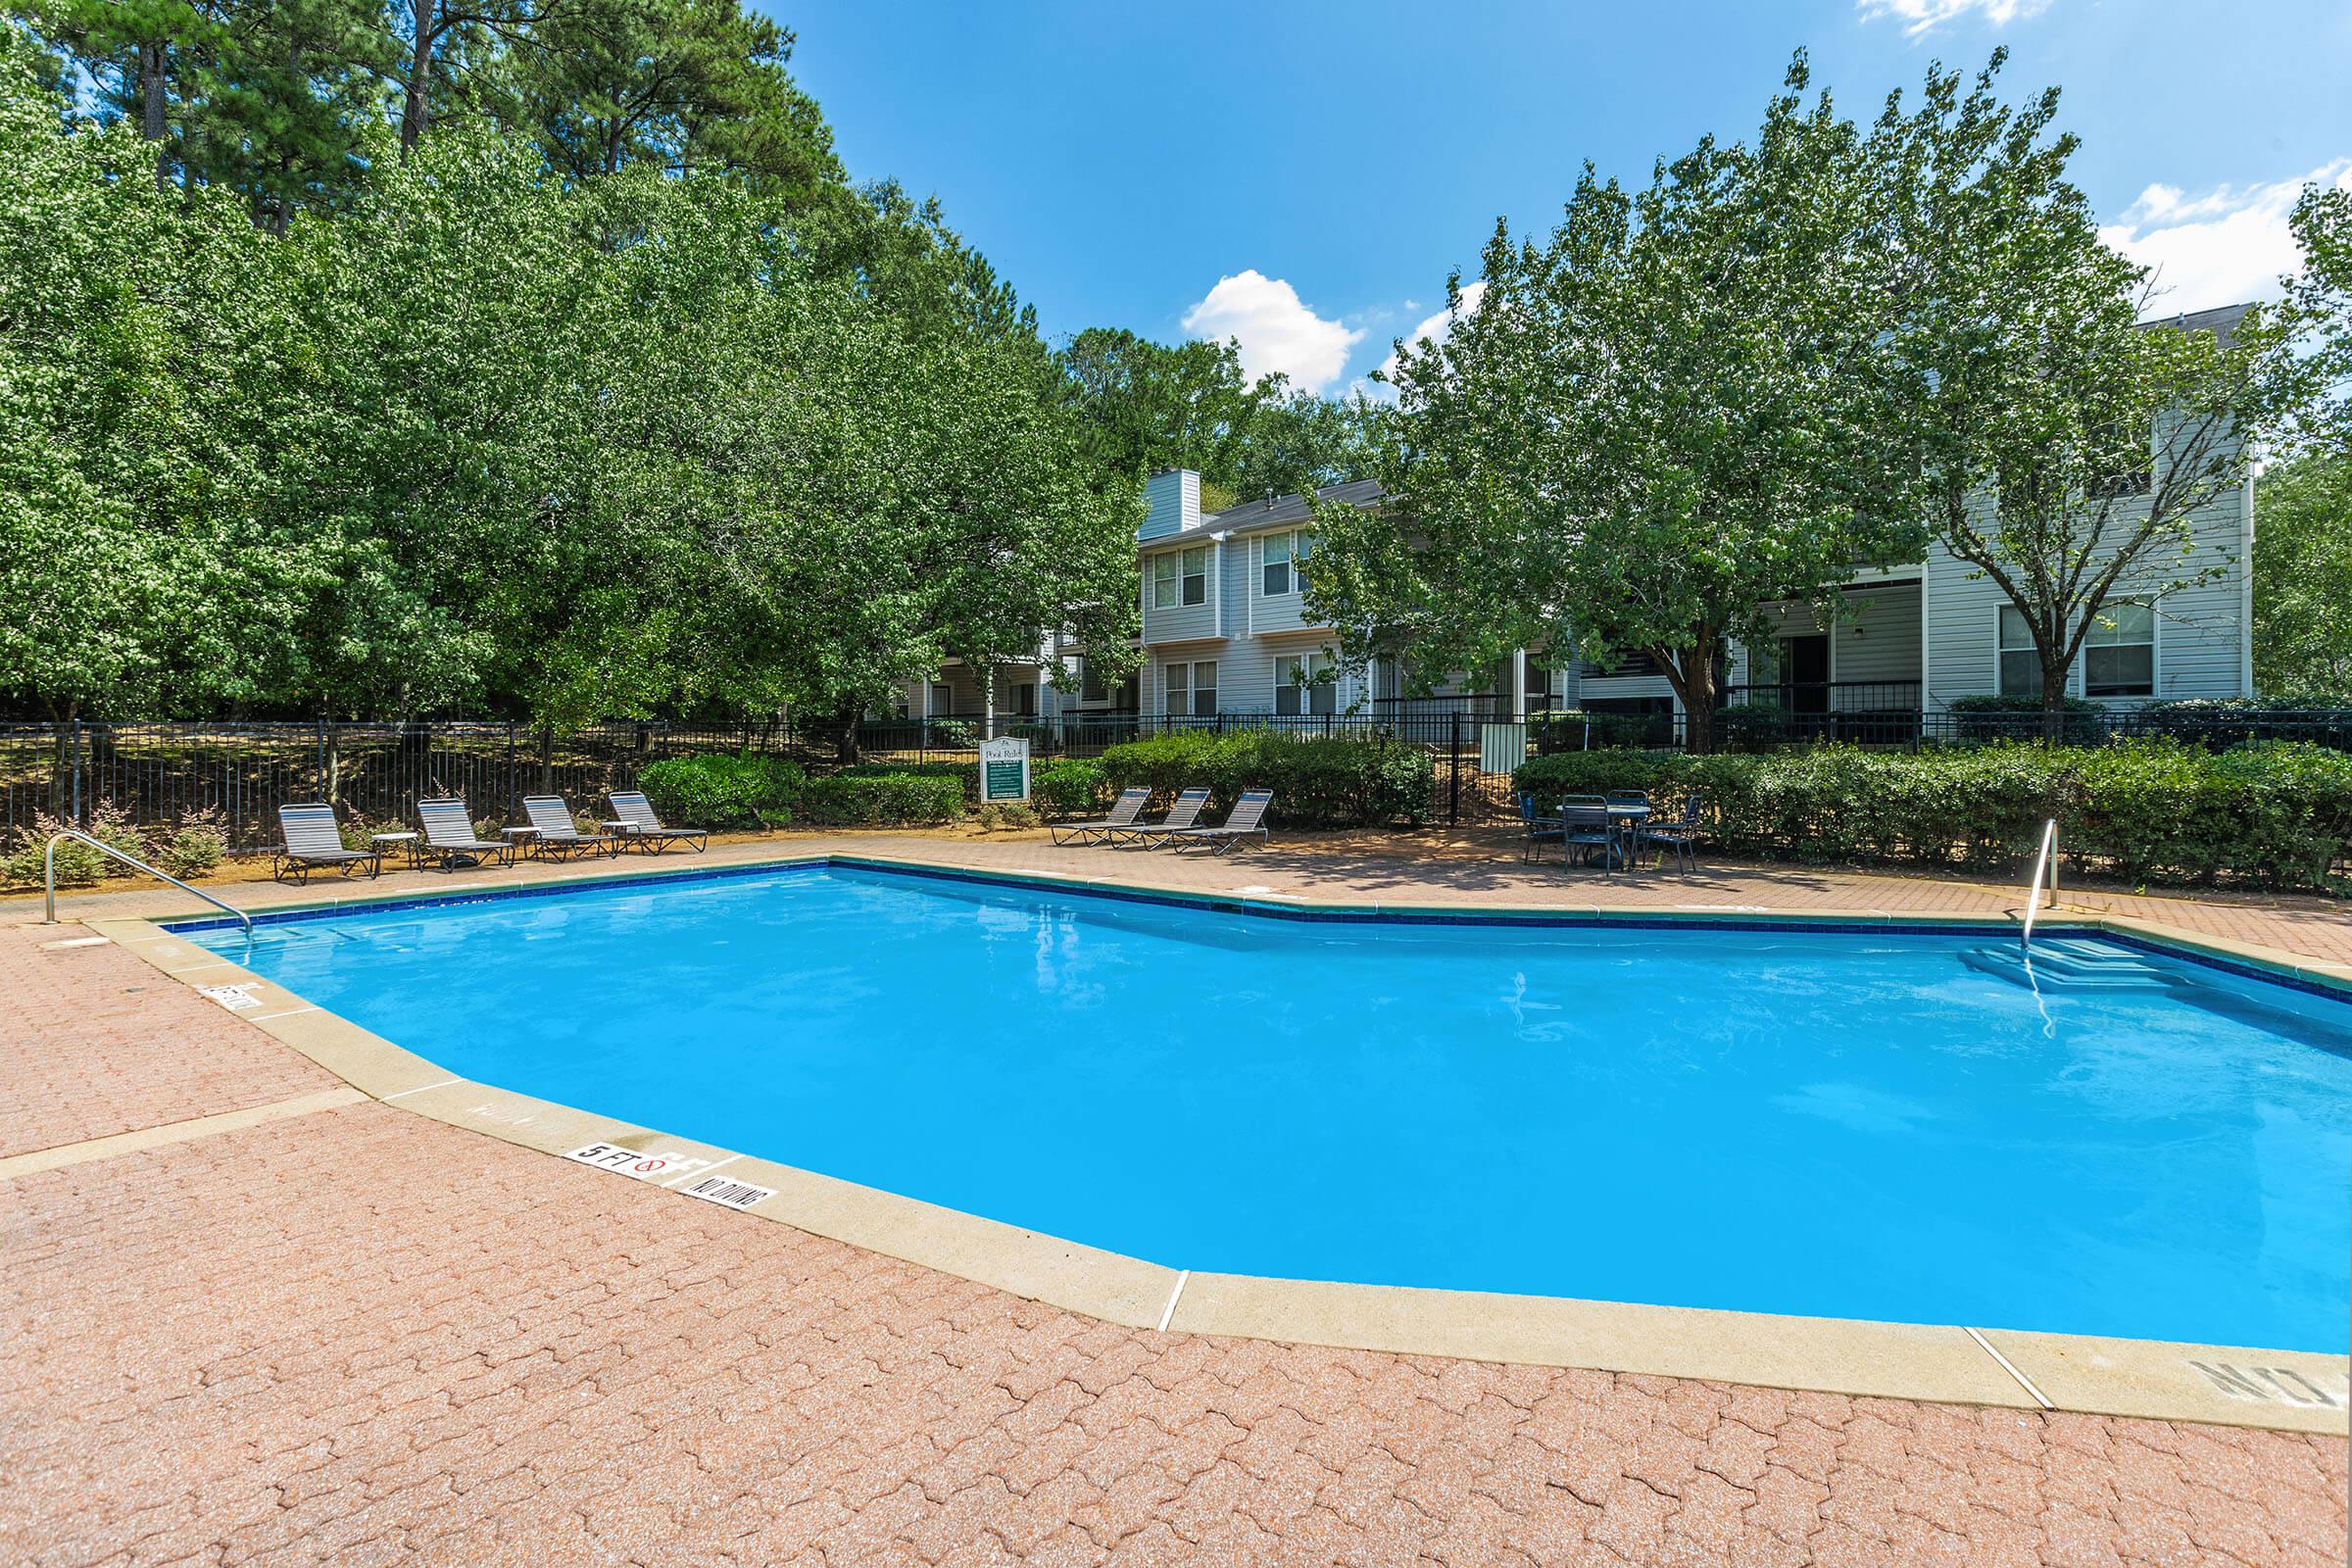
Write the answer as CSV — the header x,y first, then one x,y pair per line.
x,y
1295,440
682,85
1663,417
2303,579
2064,451
1147,405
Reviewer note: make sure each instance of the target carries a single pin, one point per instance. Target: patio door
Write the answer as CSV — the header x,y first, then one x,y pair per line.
x,y
1805,673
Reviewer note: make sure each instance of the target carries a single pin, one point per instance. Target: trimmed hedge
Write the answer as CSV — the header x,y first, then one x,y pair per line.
x,y
2148,811
881,800
718,790
1069,787
1318,781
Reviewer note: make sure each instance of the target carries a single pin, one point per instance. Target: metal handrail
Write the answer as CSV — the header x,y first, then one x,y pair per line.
x,y
2046,860
49,876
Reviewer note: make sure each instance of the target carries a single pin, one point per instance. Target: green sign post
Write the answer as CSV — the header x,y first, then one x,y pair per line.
x,y
1004,770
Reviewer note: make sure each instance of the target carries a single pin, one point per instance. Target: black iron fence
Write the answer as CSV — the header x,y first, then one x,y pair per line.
x,y
237,775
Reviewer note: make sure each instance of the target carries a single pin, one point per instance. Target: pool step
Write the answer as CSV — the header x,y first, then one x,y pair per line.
x,y
2076,965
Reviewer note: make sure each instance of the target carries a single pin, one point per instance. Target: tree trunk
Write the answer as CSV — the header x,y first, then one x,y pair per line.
x,y
420,71
152,102
845,745
1690,670
547,760
2053,701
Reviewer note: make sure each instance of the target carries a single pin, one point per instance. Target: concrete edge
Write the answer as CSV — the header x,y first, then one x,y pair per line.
x,y
163,1134
2281,1389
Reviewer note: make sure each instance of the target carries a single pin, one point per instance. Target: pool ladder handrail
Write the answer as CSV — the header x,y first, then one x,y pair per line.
x,y
49,876
2046,860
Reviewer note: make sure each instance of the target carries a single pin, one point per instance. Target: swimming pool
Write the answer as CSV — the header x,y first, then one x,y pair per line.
x,y
1889,1125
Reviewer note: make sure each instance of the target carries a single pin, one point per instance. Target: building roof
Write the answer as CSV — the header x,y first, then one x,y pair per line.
x,y
2222,321
1290,510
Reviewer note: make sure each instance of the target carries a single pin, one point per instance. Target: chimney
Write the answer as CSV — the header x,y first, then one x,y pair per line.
x,y
1174,497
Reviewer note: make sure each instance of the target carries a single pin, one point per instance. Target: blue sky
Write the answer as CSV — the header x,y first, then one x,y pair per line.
x,y
1302,175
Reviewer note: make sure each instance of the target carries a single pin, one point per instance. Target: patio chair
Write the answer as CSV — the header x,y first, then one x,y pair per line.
x,y
558,835
1247,820
1123,812
633,822
313,841
1681,834
1540,829
450,838
1181,815
1584,823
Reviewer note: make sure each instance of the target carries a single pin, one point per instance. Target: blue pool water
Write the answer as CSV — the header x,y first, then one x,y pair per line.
x,y
1871,1125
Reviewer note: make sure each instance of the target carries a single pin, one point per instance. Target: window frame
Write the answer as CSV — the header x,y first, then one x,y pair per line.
x,y
2091,642
1267,565
1171,685
1205,709
1311,682
2001,652
1192,587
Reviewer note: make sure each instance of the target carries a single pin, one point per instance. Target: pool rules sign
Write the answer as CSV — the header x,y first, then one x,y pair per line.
x,y
1004,770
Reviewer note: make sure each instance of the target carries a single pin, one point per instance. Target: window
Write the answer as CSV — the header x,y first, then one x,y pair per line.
x,y
1306,683
943,701
1277,564
1180,578
1192,689
2119,655
1024,699
1204,688
1284,556
2021,666
1090,683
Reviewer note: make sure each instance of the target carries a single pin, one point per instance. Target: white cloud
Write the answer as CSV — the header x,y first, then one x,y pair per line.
x,y
1432,329
2225,246
1275,329
1925,16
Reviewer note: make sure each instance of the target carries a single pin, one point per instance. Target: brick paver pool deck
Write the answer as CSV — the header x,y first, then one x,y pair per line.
x,y
356,1335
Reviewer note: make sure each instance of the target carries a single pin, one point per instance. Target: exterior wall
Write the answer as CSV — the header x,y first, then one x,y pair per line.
x,y
1182,622
2203,633
1173,496
1269,613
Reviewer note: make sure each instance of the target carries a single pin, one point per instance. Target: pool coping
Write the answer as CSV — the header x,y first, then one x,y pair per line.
x,y
2235,1386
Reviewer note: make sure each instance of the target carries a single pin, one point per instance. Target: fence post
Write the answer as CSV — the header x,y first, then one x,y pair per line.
x,y
81,818
322,773
1453,787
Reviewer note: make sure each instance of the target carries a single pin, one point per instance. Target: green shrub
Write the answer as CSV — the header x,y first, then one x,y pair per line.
x,y
1070,787
2278,812
965,775
881,800
1988,718
1006,816
1318,781
1565,729
191,847
716,790
77,864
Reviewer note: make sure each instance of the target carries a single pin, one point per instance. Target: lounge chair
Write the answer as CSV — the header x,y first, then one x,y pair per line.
x,y
556,834
1679,835
1247,820
1181,815
1123,812
633,822
449,836
313,841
